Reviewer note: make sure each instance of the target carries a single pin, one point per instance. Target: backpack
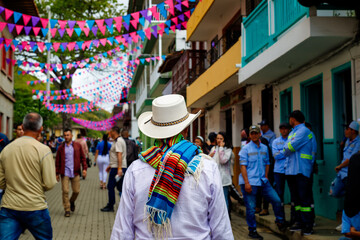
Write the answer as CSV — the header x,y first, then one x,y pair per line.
x,y
131,151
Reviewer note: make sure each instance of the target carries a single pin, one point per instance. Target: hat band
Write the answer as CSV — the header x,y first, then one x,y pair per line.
x,y
169,123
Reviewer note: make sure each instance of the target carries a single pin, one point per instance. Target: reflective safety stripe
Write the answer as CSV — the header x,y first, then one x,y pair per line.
x,y
306,156
291,147
297,208
305,209
310,136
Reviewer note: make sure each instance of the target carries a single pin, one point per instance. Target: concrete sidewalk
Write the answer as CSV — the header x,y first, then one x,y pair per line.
x,y
324,229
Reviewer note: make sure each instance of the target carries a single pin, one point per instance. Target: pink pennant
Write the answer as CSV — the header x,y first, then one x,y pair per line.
x,y
70,31
187,13
118,26
71,46
19,28
134,37
175,20
185,3
184,24
56,46
137,61
53,32
8,13
173,28
134,23
87,43
136,16
171,9
158,57
154,12
24,44
86,31
99,22
2,25
103,41
62,23
148,32
36,30
81,24
102,29
26,19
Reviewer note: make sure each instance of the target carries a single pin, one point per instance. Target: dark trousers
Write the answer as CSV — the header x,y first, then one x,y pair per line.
x,y
279,186
301,199
112,184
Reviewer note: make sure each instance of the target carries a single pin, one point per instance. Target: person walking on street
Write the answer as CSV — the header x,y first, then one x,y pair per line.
x,y
19,132
84,147
117,167
254,167
298,170
131,148
221,153
102,159
279,168
27,170
69,157
179,186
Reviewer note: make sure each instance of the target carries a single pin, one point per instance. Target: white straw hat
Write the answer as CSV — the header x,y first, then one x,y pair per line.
x,y
169,117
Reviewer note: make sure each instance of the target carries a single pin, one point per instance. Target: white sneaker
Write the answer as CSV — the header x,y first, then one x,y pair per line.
x,y
338,228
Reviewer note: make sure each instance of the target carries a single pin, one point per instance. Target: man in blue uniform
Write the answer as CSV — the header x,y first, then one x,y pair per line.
x,y
254,166
279,168
266,132
298,169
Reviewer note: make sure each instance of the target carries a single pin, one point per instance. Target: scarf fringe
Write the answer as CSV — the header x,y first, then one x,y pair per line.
x,y
159,231
198,164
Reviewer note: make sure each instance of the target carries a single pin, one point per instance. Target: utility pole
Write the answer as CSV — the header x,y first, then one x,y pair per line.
x,y
48,56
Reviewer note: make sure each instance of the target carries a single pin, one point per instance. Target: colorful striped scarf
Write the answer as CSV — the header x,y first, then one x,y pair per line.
x,y
172,158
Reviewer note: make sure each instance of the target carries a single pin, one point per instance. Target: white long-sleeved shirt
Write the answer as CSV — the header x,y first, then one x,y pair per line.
x,y
200,212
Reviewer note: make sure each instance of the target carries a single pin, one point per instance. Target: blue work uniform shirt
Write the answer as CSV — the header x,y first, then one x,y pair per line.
x,y
277,151
255,158
314,146
298,150
348,222
270,136
351,147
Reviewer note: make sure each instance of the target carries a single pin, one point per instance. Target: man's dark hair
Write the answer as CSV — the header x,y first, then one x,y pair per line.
x,y
212,136
116,129
308,125
32,122
298,115
67,130
79,135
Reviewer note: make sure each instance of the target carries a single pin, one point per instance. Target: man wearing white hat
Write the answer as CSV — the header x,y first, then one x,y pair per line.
x,y
178,186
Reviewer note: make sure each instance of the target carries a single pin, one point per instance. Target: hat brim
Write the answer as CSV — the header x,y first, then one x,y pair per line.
x,y
161,132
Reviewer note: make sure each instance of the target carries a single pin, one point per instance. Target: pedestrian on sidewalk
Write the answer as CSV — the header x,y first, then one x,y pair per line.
x,y
298,170
81,140
26,171
103,159
211,140
117,167
266,132
179,187
221,153
279,167
199,141
254,166
351,213
131,148
19,132
69,157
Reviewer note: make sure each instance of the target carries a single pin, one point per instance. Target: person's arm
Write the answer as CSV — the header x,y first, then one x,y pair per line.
x,y
224,155
212,151
119,151
267,163
218,218
346,162
58,163
96,155
83,161
292,145
354,233
123,227
47,171
277,153
119,156
243,165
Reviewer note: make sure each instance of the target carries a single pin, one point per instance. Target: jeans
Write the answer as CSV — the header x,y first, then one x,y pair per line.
x,y
279,186
13,223
112,184
300,191
250,202
226,194
338,187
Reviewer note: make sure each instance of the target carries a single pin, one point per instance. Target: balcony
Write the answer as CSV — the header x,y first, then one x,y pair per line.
x,y
280,36
157,81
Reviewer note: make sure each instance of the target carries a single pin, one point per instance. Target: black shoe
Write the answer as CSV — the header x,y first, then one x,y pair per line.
x,y
307,231
281,226
255,235
72,206
107,208
67,214
296,227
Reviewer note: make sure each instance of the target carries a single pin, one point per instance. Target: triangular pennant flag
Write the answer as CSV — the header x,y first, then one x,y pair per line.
x,y
102,29
110,29
53,22
99,22
81,24
141,34
34,20
56,46
148,33
173,28
94,30
41,46
126,19
181,17
154,12
109,22
86,31
178,7
62,23
168,23
144,13
78,31
103,41
142,21
154,32
10,26
118,26
184,24
63,45
178,26
48,46
90,23
17,16
134,37
185,3
187,14
134,23
27,30
53,32
44,31
136,15
19,28
2,25
70,31
175,20
111,40
171,6
71,46
44,22
96,42
126,26
61,32
71,23
1,9
8,13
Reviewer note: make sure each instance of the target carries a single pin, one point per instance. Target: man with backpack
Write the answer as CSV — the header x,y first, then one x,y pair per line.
x,y
131,148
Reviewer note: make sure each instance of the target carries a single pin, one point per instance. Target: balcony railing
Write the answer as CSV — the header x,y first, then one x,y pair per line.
x,y
154,76
266,23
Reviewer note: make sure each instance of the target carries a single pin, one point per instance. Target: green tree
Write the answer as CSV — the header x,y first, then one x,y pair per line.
x,y
74,10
